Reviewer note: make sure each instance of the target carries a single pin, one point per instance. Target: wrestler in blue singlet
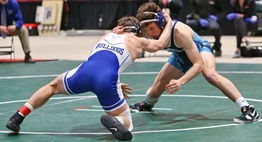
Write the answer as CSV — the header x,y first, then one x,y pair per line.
x,y
100,73
179,58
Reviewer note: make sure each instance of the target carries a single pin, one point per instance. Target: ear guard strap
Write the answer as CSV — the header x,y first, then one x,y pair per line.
x,y
135,29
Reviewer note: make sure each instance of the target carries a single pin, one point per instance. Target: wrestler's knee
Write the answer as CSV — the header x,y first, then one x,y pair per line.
x,y
56,86
126,115
210,75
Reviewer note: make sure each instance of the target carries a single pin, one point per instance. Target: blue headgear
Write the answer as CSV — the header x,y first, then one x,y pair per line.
x,y
159,19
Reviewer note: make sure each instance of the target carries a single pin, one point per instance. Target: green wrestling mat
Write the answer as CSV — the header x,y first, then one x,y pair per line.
x,y
197,113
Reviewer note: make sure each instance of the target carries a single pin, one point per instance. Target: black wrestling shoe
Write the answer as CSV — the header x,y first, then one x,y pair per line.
x,y
119,131
142,106
249,114
14,122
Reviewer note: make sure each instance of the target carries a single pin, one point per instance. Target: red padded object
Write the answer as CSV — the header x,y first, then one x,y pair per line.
x,y
30,25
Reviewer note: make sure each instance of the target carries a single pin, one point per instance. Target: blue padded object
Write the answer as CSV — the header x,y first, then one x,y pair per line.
x,y
160,20
203,22
251,20
231,16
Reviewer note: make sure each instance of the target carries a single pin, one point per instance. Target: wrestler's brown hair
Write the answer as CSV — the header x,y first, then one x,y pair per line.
x,y
146,11
127,21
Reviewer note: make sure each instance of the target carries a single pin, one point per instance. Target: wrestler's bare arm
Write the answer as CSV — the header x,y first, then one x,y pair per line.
x,y
184,38
155,45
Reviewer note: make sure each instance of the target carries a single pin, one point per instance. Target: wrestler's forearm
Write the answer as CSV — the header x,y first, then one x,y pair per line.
x,y
191,73
165,35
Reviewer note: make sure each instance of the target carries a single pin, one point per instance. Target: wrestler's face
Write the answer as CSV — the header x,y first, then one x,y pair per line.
x,y
152,30
3,2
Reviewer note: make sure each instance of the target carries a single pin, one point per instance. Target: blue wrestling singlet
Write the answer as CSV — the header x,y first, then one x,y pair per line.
x,y
179,58
100,73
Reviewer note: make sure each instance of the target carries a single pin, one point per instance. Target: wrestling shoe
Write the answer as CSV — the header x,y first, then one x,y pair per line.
x,y
14,122
119,131
142,106
249,114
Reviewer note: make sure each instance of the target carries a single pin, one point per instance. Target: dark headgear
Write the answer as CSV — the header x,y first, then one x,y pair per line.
x,y
135,29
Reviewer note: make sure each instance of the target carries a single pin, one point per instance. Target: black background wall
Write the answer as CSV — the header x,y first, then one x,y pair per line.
x,y
85,14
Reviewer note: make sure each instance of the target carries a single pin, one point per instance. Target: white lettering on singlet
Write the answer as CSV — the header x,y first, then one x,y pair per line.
x,y
110,47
